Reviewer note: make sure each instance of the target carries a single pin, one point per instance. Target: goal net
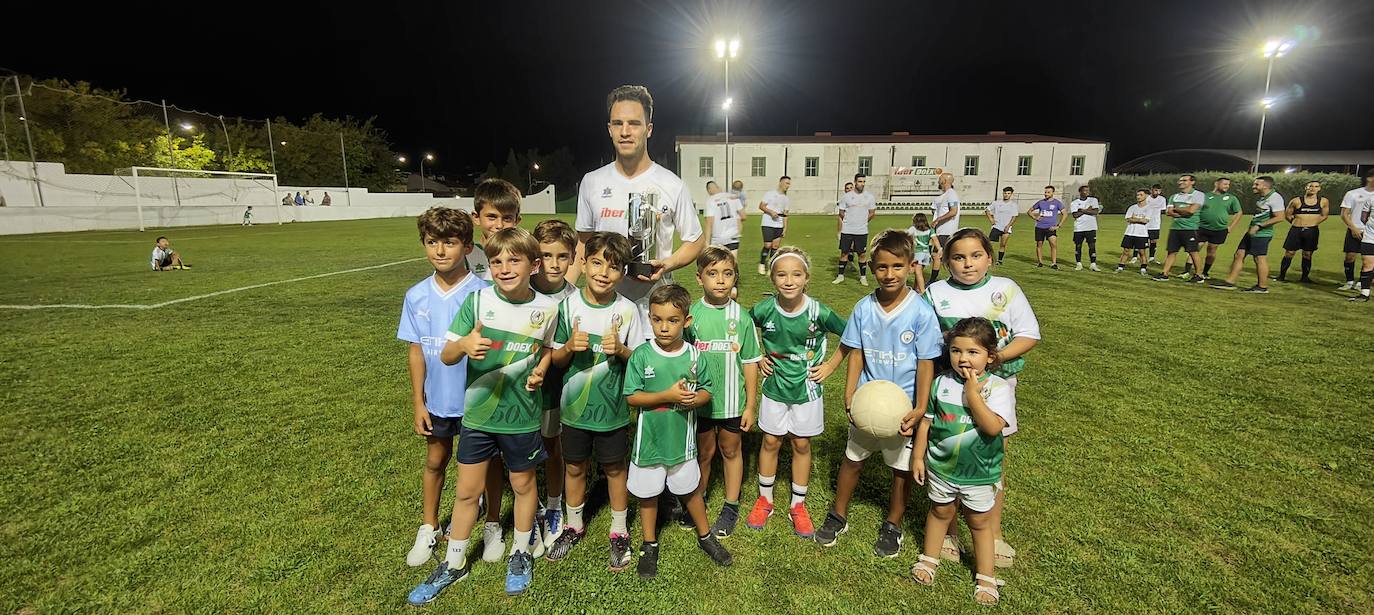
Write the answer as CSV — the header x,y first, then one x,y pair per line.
x,y
158,187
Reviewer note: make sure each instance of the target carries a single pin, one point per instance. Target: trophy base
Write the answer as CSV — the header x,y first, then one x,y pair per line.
x,y
638,269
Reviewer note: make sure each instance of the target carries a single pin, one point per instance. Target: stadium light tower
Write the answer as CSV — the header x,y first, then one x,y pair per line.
x,y
1273,50
429,157
726,52
529,177
187,126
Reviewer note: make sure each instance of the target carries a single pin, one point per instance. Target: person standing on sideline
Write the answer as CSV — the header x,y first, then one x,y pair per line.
x,y
1183,207
856,209
325,202
1084,210
773,223
1305,213
724,217
1002,216
604,196
1154,206
1135,238
946,212
1220,213
1255,242
1353,206
1048,213
248,216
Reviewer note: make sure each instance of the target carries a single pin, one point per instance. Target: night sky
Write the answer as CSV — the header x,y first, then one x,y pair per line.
x,y
467,82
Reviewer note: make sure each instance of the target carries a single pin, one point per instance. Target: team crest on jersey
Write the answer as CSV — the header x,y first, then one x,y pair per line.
x,y
606,193
536,318
944,303
986,392
648,371
732,326
999,299
617,320
769,326
908,336
479,268
489,315
811,327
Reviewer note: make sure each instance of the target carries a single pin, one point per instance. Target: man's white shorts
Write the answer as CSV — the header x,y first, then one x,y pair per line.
x,y
1011,425
648,482
922,259
779,419
977,498
551,423
896,450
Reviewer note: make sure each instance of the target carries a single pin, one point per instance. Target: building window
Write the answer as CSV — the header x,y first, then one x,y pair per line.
x,y
970,165
1076,165
1023,165
813,166
865,165
918,161
758,166
706,167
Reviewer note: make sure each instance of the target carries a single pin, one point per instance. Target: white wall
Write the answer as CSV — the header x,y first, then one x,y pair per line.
x,y
1050,164
76,202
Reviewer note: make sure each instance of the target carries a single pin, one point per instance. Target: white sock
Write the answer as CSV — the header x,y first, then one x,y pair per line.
x,y
521,542
457,553
766,487
554,502
574,520
798,494
618,522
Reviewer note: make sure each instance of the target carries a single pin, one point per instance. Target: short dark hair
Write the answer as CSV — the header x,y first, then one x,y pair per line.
x,y
980,330
858,175
961,234
1142,190
556,231
1267,179
636,93
159,238
1156,187
672,294
849,183
714,254
894,242
445,223
1049,187
1008,189
614,246
785,177
1222,178
708,184
1190,177
498,193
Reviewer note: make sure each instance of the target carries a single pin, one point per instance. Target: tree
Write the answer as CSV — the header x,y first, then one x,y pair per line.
x,y
180,155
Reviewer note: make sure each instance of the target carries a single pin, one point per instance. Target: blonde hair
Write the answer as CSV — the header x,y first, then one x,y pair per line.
x,y
515,240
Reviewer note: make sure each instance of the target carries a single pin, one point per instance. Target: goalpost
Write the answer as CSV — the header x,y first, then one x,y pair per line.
x,y
211,188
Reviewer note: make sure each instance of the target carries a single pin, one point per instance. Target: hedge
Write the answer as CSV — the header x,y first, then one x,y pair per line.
x,y
1116,193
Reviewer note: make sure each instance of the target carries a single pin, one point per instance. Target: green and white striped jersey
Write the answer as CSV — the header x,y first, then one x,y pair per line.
x,y
725,334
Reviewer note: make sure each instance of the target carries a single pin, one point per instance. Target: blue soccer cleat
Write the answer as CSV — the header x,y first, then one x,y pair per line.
x,y
438,581
519,573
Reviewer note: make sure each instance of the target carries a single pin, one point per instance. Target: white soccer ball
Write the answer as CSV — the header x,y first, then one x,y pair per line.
x,y
878,407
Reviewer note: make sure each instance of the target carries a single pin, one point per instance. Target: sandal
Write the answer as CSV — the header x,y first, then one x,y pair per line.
x,y
951,549
1005,555
925,564
993,595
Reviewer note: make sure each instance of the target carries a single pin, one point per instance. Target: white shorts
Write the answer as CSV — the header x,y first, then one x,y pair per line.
x,y
1011,424
551,423
804,420
648,482
896,450
977,498
922,259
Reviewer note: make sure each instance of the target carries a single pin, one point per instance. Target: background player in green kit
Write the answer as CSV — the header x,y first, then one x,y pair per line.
x,y
794,327
722,331
597,330
667,383
1255,243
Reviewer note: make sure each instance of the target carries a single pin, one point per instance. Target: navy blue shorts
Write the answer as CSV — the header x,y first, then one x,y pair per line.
x,y
1254,246
520,451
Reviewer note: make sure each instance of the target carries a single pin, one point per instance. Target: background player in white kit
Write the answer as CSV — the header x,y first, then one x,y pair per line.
x,y
1154,206
1135,237
946,217
1354,205
774,221
724,214
856,209
1002,216
1084,210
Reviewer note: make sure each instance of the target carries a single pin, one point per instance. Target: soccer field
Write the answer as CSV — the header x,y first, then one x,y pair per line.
x,y
1182,449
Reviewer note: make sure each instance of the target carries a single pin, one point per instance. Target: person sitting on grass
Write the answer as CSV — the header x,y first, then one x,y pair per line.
x,y
165,258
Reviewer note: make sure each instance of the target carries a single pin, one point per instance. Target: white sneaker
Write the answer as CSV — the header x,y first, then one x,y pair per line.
x,y
423,549
863,280
1135,259
1078,266
1154,261
1094,267
838,279
1346,286
763,270
493,546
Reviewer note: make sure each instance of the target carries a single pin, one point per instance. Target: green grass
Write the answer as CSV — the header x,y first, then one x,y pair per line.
x,y
1182,449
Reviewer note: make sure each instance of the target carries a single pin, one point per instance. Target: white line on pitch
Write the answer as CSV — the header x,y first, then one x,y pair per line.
x,y
152,306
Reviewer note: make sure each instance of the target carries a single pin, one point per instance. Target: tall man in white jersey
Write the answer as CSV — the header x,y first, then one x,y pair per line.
x,y
1002,216
1084,210
856,209
604,196
724,215
946,220
1154,206
774,221
1355,206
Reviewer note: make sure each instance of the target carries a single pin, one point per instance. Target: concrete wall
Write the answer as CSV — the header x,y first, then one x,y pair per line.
x,y
76,202
997,167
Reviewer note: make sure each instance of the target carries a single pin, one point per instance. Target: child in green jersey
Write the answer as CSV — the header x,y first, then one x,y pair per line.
x,y
958,453
794,328
921,234
723,331
597,331
557,244
666,382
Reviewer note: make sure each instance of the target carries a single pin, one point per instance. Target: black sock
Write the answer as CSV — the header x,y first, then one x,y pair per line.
x,y
1283,267
763,256
1152,250
863,269
1092,252
1000,256
1306,267
1207,267
1366,279
843,267
1350,272
934,275
1078,253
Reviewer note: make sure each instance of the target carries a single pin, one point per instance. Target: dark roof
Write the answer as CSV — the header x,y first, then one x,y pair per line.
x,y
1241,159
887,138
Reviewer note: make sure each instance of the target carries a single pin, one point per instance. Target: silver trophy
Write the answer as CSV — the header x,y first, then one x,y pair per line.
x,y
643,220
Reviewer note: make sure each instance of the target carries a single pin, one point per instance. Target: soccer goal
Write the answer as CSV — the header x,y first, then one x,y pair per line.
x,y
185,187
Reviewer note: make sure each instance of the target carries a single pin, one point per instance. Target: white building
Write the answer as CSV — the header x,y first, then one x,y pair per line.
x,y
819,166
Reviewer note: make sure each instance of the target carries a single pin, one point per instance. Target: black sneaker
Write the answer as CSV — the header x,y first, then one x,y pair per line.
x,y
1256,289
1304,280
726,521
889,540
620,552
829,532
1223,286
648,560
1055,266
1159,277
1202,279
714,549
678,513
1360,298
1040,264
564,543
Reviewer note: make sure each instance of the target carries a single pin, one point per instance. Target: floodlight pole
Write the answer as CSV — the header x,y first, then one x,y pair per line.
x,y
728,185
1264,111
348,194
176,194
271,148
33,160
